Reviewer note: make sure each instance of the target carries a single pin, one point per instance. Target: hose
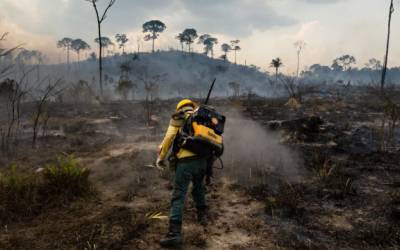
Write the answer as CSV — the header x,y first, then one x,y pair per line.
x,y
221,163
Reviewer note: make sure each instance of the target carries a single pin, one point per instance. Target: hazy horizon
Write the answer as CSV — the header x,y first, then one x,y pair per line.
x,y
267,29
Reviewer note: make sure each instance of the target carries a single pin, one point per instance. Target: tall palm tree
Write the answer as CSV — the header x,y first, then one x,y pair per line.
x,y
208,41
78,45
153,29
189,36
65,43
225,48
122,39
181,38
235,47
276,63
104,42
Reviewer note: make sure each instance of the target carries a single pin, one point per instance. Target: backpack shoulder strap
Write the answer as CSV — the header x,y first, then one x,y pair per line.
x,y
178,119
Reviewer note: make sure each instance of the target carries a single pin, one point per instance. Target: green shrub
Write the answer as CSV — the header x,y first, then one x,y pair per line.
x,y
25,194
66,178
18,194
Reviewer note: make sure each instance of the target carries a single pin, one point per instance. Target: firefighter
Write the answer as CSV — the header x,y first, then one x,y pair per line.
x,y
189,167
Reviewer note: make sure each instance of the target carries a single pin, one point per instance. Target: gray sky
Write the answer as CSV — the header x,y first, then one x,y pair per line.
x,y
266,28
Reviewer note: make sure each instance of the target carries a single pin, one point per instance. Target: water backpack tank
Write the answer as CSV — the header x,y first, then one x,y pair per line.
x,y
202,132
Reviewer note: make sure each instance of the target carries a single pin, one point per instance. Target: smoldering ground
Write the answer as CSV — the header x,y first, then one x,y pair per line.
x,y
252,152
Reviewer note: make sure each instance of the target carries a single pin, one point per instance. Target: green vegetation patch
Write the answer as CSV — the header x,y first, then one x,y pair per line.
x,y
25,194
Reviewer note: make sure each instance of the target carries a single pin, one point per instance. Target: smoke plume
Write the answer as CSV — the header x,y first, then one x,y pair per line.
x,y
252,152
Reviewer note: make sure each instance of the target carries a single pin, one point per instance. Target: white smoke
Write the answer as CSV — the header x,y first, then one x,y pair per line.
x,y
252,152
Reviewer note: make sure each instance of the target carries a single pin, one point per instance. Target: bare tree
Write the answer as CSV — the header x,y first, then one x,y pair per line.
x,y
41,114
151,87
3,51
289,83
299,45
12,93
10,98
100,19
235,87
385,61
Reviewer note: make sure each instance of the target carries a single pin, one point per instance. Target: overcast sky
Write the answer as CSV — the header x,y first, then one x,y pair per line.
x,y
266,28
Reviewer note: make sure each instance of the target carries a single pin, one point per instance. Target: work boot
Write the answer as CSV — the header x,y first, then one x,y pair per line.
x,y
202,215
173,237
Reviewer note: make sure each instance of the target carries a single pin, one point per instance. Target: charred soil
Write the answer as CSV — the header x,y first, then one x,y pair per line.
x,y
344,194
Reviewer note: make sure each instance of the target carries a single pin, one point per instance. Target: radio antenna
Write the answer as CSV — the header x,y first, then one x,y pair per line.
x,y
209,91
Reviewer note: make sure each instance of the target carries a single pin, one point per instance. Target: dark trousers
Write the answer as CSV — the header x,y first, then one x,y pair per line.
x,y
188,170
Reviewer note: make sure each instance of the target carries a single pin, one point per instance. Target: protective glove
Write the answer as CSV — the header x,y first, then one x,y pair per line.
x,y
160,164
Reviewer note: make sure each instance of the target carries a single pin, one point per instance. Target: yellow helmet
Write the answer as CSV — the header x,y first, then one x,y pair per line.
x,y
184,103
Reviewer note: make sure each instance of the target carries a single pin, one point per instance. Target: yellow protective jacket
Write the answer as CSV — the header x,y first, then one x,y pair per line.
x,y
176,123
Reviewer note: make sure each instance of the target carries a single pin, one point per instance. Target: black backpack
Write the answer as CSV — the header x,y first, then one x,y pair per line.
x,y
202,133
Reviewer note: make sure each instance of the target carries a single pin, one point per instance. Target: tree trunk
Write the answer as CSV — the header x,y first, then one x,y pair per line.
x,y
235,57
38,71
276,75
68,57
298,64
384,69
100,60
36,124
152,50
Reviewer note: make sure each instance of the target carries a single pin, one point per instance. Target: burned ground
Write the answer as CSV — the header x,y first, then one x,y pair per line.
x,y
344,193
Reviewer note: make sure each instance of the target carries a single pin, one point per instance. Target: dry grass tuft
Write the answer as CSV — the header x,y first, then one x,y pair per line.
x,y
288,200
